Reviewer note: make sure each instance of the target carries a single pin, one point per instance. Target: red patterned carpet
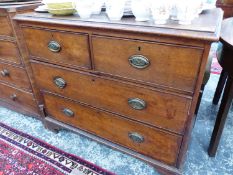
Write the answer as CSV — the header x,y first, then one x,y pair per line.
x,y
215,67
22,154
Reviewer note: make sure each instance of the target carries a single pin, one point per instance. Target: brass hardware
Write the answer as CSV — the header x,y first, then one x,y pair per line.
x,y
135,137
54,46
5,73
139,61
59,82
68,112
137,103
13,97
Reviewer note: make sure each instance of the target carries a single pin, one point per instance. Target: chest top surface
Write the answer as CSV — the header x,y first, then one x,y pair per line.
x,y
7,6
206,27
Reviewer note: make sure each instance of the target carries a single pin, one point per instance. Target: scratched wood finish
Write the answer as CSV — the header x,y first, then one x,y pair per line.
x,y
162,110
74,47
104,87
110,54
17,97
157,144
16,76
9,52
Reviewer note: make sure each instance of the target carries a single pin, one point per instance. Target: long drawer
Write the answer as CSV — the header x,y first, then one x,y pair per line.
x,y
146,140
58,47
168,65
18,98
146,105
9,52
14,75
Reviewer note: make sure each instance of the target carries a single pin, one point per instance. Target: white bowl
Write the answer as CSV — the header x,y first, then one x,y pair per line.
x,y
186,11
160,11
84,8
97,6
115,9
84,14
141,10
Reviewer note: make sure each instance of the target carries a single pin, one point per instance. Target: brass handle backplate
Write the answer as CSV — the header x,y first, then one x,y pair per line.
x,y
54,46
135,137
139,61
5,73
59,82
68,112
137,103
13,97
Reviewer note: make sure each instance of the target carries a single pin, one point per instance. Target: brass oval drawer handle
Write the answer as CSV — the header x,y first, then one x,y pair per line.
x,y
54,46
135,137
137,103
5,73
139,61
13,97
68,112
59,82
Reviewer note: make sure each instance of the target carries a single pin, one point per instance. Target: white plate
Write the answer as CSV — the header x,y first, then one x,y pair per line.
x,y
42,9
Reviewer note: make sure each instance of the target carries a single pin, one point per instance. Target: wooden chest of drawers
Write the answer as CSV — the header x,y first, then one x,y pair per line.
x,y
15,87
132,86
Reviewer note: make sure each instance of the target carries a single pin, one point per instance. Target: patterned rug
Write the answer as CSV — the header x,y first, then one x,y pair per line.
x,y
215,67
214,53
22,154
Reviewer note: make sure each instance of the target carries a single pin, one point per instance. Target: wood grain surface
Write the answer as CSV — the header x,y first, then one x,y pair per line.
x,y
17,76
17,97
157,144
74,47
167,62
9,52
162,110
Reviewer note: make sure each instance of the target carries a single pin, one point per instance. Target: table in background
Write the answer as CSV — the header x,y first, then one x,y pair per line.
x,y
226,62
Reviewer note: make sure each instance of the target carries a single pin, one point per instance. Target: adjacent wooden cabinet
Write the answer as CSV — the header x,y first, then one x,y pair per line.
x,y
227,7
15,87
132,86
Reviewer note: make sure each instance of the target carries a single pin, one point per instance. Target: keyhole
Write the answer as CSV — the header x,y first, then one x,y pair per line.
x,y
139,48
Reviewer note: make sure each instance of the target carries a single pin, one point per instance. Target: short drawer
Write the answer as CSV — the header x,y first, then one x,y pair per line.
x,y
5,25
168,65
14,75
18,98
65,48
146,140
9,52
146,105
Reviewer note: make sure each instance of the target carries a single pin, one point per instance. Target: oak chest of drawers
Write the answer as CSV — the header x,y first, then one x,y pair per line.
x,y
15,87
132,86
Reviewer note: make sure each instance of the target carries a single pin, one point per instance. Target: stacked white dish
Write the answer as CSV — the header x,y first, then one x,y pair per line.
x,y
184,11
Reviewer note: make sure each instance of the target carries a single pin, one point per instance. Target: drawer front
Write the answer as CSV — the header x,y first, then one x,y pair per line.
x,y
19,98
159,64
142,104
63,48
143,139
9,52
14,75
5,26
